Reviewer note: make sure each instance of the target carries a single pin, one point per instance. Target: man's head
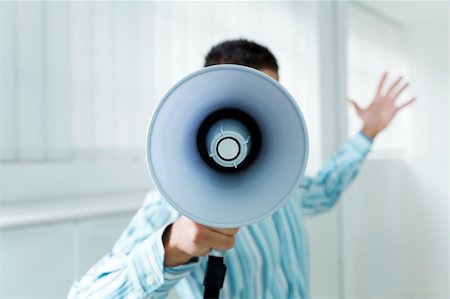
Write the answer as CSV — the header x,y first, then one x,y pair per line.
x,y
245,53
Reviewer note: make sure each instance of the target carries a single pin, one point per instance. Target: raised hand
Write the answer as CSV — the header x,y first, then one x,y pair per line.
x,y
377,116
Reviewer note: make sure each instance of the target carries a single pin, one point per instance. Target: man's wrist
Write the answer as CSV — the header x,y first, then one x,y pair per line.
x,y
172,255
369,132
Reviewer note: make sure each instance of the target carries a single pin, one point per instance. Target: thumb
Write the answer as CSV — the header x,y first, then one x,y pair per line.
x,y
355,105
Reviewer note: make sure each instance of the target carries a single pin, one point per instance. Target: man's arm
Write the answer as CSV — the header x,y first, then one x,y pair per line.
x,y
156,250
320,193
135,266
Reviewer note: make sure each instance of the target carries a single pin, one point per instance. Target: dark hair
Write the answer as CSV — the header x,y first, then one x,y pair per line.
x,y
243,52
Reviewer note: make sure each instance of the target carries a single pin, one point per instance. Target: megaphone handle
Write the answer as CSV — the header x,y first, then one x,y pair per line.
x,y
214,275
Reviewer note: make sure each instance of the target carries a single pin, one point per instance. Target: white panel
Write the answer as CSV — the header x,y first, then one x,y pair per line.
x,y
36,262
146,72
7,83
179,26
324,255
375,233
162,79
126,60
30,80
97,237
325,54
305,90
229,20
375,46
395,234
105,93
82,84
206,13
40,181
172,34
196,51
27,213
428,155
57,79
396,216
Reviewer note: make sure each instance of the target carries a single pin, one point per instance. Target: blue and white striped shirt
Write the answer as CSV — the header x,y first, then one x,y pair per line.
x,y
269,260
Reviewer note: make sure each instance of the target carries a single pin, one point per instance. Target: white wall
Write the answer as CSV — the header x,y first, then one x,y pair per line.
x,y
42,261
395,232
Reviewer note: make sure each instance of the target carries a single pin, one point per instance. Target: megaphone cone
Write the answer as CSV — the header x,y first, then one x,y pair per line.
x,y
227,145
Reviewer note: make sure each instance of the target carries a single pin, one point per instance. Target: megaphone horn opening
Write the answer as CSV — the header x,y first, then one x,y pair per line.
x,y
229,140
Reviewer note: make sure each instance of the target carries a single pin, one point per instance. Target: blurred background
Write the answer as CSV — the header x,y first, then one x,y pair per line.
x,y
79,81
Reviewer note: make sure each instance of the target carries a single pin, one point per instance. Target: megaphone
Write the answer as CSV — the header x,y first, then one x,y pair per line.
x,y
227,145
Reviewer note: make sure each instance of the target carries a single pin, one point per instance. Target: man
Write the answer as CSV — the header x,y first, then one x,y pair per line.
x,y
161,249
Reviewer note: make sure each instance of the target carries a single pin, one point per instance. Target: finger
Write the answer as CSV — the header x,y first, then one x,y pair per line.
x,y
406,104
398,93
356,106
381,84
225,231
219,241
393,86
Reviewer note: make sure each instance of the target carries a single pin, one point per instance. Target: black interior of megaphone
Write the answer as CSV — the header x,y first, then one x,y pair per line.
x,y
238,115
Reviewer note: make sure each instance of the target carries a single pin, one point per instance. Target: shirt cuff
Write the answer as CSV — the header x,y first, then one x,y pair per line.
x,y
148,264
361,143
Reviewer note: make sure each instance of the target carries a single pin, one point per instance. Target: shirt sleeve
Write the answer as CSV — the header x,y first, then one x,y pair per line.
x,y
135,266
318,194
